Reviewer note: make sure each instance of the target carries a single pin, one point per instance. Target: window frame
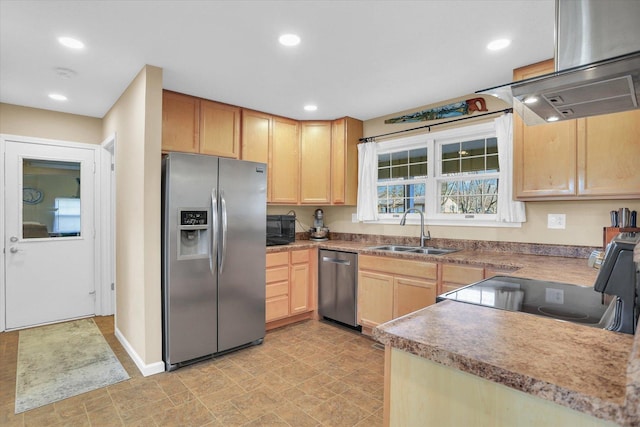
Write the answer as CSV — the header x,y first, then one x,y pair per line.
x,y
434,141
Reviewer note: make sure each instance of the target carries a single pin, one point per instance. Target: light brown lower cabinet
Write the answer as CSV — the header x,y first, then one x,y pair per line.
x,y
410,294
300,298
277,304
390,287
455,276
375,298
291,285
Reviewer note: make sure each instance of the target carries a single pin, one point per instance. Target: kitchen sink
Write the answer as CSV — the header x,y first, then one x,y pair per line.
x,y
392,248
414,249
432,251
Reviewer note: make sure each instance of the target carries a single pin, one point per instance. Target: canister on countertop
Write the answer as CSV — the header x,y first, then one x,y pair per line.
x,y
624,217
634,219
614,218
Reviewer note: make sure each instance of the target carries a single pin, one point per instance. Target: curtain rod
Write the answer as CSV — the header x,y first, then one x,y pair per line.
x,y
372,138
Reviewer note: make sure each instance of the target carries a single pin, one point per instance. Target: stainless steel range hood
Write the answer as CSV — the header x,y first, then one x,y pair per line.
x,y
597,65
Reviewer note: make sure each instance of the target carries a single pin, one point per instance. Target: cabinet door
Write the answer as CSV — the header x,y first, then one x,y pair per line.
x,y
277,308
608,153
411,294
346,134
285,158
338,161
375,298
457,276
544,155
299,288
180,122
219,129
315,163
256,134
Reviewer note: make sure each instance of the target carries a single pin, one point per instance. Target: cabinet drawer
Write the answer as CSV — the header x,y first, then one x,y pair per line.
x,y
461,274
278,274
278,258
277,289
276,308
424,270
299,257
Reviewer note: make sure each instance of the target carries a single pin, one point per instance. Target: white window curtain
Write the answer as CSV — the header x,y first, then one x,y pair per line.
x,y
508,209
367,209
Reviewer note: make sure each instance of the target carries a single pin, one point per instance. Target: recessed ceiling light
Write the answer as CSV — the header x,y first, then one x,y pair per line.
x,y
57,97
289,40
553,118
310,107
498,44
530,100
71,42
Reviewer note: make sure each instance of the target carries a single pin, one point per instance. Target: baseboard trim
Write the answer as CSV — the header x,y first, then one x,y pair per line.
x,y
145,369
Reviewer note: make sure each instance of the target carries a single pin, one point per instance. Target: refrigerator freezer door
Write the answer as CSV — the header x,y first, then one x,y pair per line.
x,y
241,285
189,281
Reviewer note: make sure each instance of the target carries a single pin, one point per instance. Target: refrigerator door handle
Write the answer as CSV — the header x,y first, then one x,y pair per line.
x,y
213,249
223,251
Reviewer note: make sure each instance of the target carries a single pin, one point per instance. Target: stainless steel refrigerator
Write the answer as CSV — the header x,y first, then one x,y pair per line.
x,y
214,255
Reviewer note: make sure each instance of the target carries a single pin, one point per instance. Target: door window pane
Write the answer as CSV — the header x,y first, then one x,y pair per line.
x,y
50,199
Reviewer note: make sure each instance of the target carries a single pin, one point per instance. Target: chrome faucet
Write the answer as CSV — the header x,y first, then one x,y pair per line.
x,y
423,237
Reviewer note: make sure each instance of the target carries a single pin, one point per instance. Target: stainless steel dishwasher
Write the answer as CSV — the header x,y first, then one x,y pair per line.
x,y
338,286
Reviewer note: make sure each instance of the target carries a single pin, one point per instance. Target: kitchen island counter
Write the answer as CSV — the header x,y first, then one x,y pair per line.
x,y
589,370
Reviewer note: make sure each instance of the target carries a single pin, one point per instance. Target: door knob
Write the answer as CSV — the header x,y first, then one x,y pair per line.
x,y
13,239
13,250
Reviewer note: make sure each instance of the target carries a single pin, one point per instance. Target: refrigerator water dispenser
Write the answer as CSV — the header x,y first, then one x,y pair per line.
x,y
194,234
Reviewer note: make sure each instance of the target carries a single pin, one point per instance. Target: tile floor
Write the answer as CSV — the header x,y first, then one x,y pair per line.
x,y
308,374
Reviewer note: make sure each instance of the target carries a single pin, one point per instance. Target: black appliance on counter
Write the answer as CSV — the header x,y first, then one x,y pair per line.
x,y
618,277
281,229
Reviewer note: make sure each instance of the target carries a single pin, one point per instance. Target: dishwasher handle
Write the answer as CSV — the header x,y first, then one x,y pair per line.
x,y
336,260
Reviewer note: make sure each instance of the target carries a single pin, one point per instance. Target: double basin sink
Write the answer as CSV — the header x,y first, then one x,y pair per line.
x,y
413,249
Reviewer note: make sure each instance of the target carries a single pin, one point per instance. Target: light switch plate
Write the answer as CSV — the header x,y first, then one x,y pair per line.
x,y
354,217
558,221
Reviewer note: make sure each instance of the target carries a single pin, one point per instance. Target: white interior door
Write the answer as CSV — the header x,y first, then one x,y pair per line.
x,y
49,233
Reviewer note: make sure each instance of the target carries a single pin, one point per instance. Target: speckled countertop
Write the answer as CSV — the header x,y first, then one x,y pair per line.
x,y
587,369
554,268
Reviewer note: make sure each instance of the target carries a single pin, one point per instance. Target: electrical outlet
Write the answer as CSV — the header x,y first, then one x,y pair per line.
x,y
558,221
354,217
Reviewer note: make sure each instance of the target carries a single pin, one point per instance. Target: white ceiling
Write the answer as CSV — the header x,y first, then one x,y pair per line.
x,y
363,59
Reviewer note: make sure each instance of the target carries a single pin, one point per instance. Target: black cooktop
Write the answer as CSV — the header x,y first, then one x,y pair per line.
x,y
561,301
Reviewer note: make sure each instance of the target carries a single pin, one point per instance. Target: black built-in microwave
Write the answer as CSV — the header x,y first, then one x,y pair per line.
x,y
281,229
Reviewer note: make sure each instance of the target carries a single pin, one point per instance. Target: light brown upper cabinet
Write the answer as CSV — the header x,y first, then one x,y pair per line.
x,y
194,125
284,167
346,134
309,162
256,136
608,154
588,158
544,155
315,163
180,122
219,129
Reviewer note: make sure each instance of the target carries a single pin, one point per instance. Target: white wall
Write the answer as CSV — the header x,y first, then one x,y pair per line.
x,y
136,119
33,122
585,219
